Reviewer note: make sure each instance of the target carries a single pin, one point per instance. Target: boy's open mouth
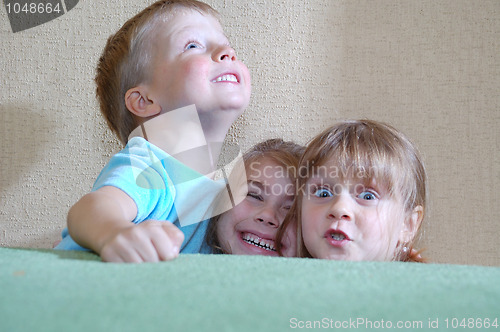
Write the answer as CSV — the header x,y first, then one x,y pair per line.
x,y
226,78
258,241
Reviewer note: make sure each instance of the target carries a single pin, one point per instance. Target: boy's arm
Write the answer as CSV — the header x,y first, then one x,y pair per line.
x,y
102,222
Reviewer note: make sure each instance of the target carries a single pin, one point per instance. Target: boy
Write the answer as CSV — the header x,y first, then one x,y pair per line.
x,y
169,57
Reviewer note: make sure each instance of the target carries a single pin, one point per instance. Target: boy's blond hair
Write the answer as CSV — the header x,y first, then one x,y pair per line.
x,y
364,149
126,60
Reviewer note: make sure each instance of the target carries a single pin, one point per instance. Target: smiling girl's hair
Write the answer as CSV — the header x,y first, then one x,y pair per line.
x,y
285,153
367,150
127,58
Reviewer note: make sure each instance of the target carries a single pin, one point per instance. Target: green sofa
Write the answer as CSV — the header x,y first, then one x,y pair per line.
x,y
48,290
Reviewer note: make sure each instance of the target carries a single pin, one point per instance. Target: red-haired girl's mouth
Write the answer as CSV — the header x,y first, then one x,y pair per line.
x,y
337,238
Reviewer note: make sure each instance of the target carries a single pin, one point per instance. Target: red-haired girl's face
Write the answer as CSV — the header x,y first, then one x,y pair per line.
x,y
350,220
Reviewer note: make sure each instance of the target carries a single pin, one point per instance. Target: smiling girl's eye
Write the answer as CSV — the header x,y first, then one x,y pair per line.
x,y
323,192
255,195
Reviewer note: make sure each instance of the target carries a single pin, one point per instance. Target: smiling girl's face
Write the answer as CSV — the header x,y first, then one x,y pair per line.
x,y
250,228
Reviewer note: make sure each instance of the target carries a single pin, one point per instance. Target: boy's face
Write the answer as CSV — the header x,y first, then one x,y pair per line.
x,y
347,220
194,64
250,228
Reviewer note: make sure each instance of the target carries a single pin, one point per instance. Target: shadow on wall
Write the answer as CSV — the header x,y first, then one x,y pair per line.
x,y
24,134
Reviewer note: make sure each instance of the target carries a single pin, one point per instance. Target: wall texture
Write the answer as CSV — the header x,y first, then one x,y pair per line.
x,y
430,68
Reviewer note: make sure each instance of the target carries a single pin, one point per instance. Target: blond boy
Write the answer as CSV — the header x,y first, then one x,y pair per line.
x,y
171,55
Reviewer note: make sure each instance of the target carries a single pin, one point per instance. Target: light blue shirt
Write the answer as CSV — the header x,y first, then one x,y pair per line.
x,y
162,188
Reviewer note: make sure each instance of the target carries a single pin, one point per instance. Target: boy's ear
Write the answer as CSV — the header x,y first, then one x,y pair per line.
x,y
137,102
412,224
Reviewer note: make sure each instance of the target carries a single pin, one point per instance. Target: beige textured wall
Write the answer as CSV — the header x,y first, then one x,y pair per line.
x,y
430,68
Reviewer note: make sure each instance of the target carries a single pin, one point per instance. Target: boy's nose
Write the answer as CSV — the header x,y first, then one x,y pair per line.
x,y
224,53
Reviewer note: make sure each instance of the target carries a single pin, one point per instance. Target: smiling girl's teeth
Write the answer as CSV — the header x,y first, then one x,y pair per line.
x,y
226,78
259,242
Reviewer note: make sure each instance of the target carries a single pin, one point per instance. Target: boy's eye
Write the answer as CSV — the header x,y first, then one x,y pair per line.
x,y
323,192
367,196
191,45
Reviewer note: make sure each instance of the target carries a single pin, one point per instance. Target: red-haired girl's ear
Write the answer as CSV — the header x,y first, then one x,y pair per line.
x,y
412,224
138,103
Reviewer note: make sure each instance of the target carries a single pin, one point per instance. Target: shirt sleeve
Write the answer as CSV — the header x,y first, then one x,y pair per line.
x,y
138,171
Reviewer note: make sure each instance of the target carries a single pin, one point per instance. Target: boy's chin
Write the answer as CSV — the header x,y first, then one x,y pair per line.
x,y
235,105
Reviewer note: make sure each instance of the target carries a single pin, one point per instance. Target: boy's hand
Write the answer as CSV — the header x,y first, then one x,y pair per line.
x,y
149,241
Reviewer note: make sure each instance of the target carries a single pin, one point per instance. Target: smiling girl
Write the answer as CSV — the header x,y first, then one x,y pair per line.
x,y
250,228
361,194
